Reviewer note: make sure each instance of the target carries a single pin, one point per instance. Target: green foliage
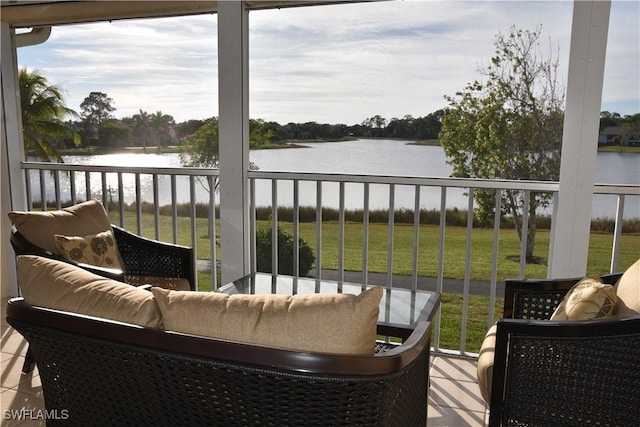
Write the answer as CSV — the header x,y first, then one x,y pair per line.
x,y
285,253
263,133
508,127
201,149
97,108
156,129
43,112
113,134
96,111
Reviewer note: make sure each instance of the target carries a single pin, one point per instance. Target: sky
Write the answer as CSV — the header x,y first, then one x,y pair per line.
x,y
328,64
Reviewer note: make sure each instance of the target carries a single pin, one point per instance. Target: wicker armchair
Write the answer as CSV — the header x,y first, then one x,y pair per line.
x,y
569,373
141,257
100,372
143,260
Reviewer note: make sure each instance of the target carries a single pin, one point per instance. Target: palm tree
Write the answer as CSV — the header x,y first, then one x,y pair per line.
x,y
163,126
43,112
157,128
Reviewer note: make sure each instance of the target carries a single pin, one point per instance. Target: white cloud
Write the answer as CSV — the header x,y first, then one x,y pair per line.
x,y
334,64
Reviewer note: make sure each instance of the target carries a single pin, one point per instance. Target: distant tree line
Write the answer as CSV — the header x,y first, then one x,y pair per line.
x,y
608,119
98,127
50,125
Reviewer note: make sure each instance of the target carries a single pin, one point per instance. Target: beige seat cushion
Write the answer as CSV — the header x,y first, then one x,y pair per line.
x,y
82,219
485,363
331,323
96,249
587,300
628,291
62,286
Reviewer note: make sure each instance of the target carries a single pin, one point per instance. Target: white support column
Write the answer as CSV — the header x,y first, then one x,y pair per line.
x,y
13,184
570,243
233,99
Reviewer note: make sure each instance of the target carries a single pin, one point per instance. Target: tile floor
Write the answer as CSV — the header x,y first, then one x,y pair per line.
x,y
454,398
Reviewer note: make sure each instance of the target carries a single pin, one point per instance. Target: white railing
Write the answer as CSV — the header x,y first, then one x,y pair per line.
x,y
65,183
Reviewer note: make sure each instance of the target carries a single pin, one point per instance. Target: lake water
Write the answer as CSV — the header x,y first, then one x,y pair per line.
x,y
365,157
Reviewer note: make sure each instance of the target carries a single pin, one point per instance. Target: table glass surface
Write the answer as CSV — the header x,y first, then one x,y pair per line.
x,y
398,307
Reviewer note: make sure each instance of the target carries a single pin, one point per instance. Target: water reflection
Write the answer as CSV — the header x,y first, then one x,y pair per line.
x,y
366,157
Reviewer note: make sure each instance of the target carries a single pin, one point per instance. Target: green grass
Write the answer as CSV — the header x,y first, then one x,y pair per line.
x,y
454,259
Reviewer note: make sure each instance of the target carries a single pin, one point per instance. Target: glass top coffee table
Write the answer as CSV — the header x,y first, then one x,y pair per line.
x,y
400,309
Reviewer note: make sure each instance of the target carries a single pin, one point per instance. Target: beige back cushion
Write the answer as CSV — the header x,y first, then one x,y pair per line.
x,y
83,219
628,291
62,286
331,323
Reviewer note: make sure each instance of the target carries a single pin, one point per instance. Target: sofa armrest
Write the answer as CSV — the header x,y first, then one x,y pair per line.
x,y
147,257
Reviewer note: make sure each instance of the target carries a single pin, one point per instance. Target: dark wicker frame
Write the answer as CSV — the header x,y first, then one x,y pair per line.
x,y
100,372
141,257
562,373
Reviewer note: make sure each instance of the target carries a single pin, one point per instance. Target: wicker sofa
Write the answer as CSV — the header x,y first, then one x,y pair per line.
x,y
101,371
537,371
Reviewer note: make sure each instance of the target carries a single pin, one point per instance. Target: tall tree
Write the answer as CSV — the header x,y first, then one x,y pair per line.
x,y
157,128
509,126
202,150
43,114
163,126
95,110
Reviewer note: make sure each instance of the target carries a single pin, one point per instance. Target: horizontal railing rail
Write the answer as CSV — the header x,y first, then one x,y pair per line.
x,y
61,183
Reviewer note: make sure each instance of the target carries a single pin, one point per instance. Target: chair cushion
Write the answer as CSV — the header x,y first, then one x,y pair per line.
x,y
628,291
485,363
62,286
586,300
96,249
82,219
332,323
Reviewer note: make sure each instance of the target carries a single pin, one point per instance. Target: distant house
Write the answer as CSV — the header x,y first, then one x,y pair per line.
x,y
618,135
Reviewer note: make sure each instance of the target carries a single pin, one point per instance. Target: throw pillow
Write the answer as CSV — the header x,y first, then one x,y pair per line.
x,y
61,286
586,300
82,219
330,323
628,291
97,249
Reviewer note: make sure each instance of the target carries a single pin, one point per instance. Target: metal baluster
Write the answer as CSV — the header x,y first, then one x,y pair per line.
x,y
416,238
494,261
467,274
392,209
319,230
341,234
274,226
617,234
365,236
296,229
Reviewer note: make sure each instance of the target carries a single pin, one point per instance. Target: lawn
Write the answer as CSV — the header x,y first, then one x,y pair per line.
x,y
454,259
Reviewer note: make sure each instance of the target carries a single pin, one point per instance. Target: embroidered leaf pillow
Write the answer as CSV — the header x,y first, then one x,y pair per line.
x,y
96,249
